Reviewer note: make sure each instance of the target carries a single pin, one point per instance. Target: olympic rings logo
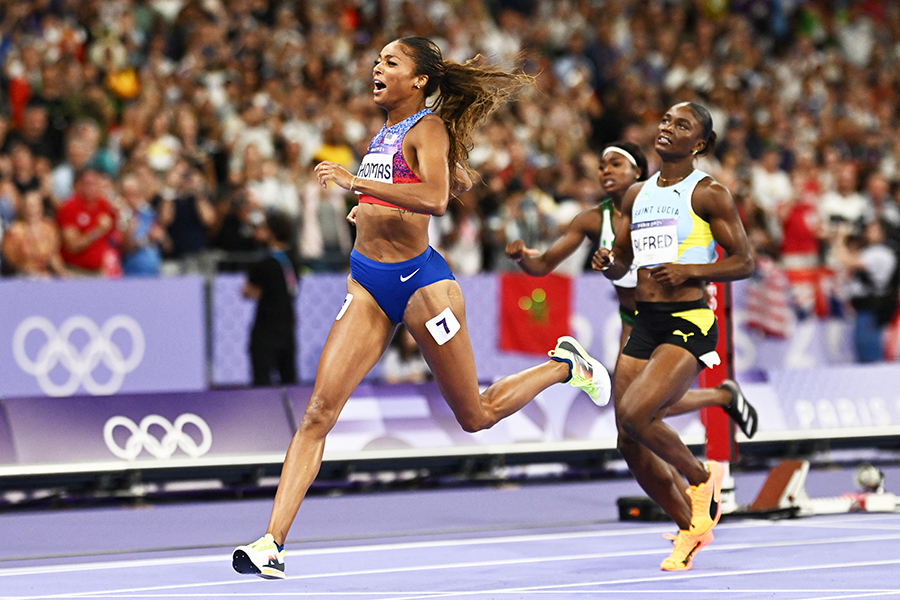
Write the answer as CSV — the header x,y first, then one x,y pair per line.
x,y
58,350
174,436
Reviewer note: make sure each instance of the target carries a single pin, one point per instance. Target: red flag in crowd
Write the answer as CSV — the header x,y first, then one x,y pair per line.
x,y
534,312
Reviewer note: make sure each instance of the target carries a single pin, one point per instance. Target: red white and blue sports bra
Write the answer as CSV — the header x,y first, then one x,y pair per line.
x,y
384,160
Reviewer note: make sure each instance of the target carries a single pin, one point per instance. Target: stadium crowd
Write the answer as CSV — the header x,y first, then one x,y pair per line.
x,y
176,124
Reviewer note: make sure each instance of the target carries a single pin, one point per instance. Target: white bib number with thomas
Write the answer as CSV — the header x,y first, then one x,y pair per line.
x,y
377,167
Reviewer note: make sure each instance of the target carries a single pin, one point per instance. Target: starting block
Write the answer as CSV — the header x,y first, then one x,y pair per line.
x,y
784,491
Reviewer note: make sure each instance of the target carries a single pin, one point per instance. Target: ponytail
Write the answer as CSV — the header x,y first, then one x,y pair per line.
x,y
467,94
706,122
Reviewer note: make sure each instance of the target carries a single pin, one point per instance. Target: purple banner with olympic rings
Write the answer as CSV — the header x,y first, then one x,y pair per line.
x,y
147,429
102,337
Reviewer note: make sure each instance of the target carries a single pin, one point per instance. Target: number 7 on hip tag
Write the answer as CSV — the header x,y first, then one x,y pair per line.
x,y
443,327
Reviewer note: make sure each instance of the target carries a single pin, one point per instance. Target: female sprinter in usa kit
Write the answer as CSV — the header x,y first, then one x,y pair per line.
x,y
412,168
670,228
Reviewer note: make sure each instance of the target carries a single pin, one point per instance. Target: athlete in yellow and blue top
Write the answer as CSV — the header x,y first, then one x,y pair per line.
x,y
622,163
670,229
665,228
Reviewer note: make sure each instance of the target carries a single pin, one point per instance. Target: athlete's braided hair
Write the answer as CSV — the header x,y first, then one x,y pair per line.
x,y
469,92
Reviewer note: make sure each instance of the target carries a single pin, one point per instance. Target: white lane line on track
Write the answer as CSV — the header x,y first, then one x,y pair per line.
x,y
481,541
146,592
150,562
158,562
422,595
145,563
875,523
497,563
858,594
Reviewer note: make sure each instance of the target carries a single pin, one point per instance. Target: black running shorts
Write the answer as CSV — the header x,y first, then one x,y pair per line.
x,y
689,325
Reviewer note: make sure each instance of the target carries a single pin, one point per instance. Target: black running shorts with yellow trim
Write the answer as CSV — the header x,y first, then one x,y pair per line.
x,y
689,325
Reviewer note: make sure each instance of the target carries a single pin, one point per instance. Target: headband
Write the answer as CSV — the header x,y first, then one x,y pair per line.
x,y
624,153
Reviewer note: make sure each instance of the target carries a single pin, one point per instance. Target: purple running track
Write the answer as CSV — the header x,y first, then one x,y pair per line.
x,y
557,540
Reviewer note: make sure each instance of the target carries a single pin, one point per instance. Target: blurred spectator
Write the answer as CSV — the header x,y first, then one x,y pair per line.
x,y
877,195
25,174
890,217
770,185
585,193
31,245
273,190
335,147
272,283
299,127
9,198
4,133
164,148
689,70
461,230
62,178
89,132
802,232
522,217
249,128
142,235
324,240
87,221
193,143
403,361
130,136
844,205
232,231
871,266
36,133
187,214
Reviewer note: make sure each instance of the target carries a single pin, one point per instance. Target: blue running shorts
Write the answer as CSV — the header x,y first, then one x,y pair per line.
x,y
392,284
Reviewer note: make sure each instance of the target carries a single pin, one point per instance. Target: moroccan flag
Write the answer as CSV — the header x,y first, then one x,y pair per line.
x,y
534,312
